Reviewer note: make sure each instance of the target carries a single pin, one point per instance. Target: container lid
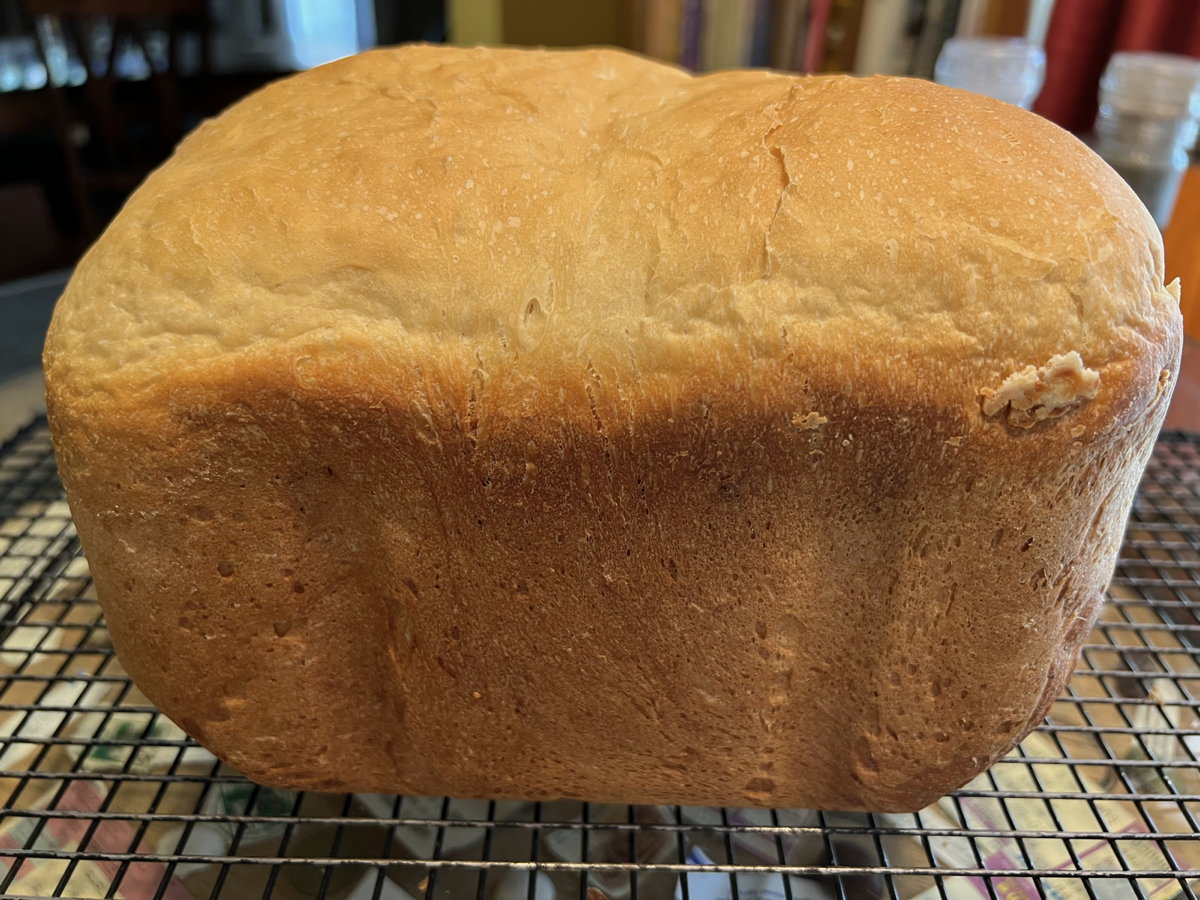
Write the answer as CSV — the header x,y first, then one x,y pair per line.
x,y
1008,69
1152,84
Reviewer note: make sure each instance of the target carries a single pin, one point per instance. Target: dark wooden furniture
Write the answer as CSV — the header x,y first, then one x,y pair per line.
x,y
108,145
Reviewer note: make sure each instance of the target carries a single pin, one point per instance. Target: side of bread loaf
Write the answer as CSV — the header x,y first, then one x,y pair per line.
x,y
534,424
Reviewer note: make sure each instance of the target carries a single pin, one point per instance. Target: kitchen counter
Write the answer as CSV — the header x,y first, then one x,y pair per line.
x,y
25,308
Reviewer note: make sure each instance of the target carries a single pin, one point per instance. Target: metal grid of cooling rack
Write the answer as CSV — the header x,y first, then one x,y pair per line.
x,y
102,796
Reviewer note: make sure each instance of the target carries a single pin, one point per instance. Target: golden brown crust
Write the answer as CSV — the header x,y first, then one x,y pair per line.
x,y
713,479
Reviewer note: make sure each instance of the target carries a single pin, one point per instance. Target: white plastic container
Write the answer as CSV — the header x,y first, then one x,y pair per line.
x,y
1149,108
1008,69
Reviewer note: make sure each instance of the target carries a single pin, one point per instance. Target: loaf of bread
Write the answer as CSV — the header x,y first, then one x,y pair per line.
x,y
532,424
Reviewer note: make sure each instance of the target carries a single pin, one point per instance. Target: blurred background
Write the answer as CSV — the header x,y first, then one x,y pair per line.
x,y
95,93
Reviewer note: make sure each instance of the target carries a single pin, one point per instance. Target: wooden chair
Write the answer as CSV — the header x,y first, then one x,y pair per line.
x,y
108,146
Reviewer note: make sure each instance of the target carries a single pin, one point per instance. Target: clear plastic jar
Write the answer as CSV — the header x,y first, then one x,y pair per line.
x,y
1008,69
1149,108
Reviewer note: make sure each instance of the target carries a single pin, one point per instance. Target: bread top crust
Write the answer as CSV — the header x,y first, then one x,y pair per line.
x,y
532,214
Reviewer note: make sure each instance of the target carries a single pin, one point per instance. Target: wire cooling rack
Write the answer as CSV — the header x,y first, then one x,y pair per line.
x,y
104,797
